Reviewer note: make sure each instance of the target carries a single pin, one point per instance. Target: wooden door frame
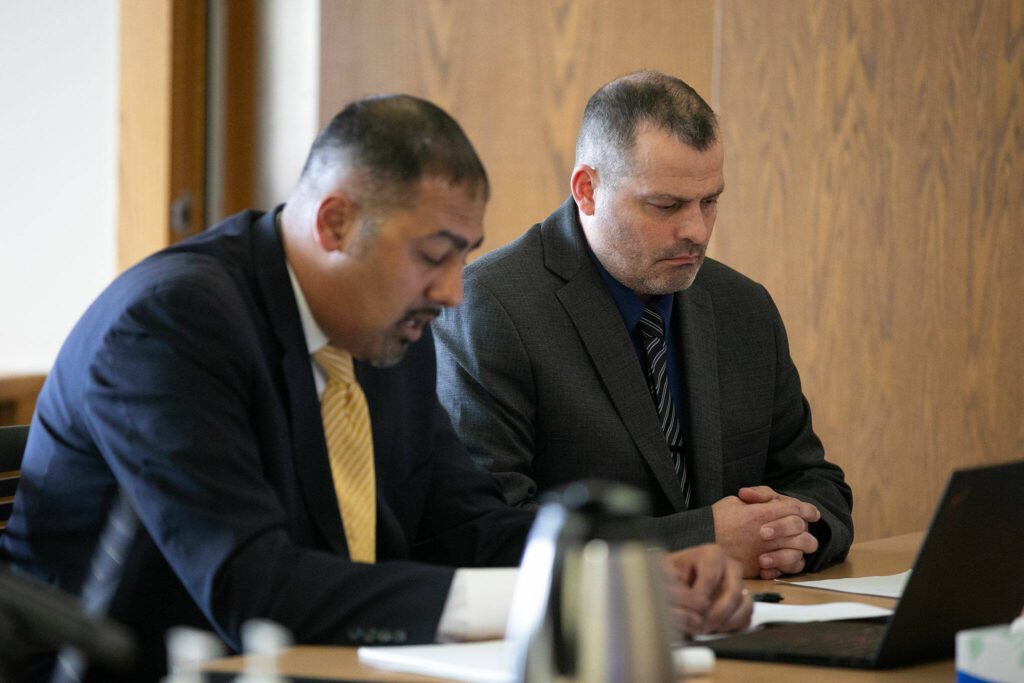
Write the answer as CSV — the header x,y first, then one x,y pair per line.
x,y
162,131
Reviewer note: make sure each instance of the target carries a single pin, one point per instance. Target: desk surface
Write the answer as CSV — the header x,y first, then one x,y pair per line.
x,y
883,556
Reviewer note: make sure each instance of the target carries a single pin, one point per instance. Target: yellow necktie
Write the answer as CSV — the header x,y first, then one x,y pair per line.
x,y
350,450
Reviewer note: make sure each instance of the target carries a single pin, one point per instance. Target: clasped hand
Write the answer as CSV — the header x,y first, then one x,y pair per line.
x,y
765,531
706,591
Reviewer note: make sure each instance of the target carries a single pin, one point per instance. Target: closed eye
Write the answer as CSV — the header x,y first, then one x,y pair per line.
x,y
432,260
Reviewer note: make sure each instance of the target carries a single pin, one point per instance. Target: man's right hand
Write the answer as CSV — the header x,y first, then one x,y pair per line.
x,y
706,591
765,531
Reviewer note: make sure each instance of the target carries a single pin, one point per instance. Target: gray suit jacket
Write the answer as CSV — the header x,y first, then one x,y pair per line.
x,y
540,377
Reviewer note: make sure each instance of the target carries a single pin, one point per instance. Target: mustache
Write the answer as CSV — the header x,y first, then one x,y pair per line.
x,y
424,311
686,249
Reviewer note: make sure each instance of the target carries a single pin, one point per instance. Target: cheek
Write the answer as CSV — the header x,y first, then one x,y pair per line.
x,y
410,285
710,215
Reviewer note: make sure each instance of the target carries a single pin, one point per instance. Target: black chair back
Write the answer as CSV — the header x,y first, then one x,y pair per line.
x,y
12,447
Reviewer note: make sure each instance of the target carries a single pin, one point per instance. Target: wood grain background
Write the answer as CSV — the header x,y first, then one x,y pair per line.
x,y
516,75
875,163
875,176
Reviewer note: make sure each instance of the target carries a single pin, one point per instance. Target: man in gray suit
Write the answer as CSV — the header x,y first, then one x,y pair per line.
x,y
602,343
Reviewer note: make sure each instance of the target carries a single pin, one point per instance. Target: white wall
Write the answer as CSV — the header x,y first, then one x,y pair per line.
x,y
58,153
287,94
58,170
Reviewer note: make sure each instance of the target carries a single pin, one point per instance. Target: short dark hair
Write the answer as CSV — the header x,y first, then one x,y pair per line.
x,y
618,109
393,142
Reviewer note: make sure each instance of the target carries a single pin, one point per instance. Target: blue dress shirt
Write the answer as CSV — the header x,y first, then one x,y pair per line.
x,y
631,308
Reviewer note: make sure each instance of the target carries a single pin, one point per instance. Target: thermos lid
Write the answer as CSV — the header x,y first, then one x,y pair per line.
x,y
601,498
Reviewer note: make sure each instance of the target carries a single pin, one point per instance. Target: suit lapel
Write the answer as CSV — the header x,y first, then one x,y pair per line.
x,y
309,449
695,327
587,303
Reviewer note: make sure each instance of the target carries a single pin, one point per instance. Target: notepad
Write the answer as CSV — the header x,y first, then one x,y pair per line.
x,y
488,661
483,662
773,613
889,586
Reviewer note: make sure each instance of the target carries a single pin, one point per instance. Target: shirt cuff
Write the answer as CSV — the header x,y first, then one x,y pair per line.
x,y
478,604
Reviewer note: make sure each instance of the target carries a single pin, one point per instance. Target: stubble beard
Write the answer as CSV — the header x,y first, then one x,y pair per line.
x,y
392,352
651,283
394,345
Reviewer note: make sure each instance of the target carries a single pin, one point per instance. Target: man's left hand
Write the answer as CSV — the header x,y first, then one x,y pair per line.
x,y
787,538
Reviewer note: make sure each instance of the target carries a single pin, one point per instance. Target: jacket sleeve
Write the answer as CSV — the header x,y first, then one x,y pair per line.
x,y
171,405
796,464
485,382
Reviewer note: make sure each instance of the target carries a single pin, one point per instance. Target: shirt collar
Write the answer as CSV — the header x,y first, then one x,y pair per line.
x,y
315,337
630,306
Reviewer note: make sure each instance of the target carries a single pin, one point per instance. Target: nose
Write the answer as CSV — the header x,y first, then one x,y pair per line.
x,y
695,223
446,289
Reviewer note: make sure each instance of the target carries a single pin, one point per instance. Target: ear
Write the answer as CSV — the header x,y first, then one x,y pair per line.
x,y
583,184
337,217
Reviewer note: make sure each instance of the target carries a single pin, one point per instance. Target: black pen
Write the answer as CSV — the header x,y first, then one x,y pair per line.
x,y
766,597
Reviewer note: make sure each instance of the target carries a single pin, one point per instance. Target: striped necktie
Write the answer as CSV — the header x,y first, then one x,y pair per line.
x,y
652,335
350,450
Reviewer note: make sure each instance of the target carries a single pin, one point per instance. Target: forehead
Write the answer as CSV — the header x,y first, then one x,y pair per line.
x,y
660,158
439,205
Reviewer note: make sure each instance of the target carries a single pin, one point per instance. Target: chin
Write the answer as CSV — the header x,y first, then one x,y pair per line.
x,y
390,354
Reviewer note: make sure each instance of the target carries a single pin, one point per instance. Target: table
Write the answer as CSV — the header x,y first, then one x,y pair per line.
x,y
882,556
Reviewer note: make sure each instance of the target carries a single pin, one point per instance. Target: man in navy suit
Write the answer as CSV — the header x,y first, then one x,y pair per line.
x,y
188,395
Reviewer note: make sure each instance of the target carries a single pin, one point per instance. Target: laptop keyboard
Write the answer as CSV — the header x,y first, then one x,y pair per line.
x,y
833,642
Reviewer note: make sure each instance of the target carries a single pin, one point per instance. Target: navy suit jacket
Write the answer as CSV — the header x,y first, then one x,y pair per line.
x,y
188,385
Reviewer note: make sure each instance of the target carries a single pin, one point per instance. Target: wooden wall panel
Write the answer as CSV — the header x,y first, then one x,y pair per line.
x,y
18,394
162,120
515,74
874,163
144,192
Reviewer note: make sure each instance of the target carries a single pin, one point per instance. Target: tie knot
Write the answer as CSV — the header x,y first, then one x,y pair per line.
x,y
337,363
651,324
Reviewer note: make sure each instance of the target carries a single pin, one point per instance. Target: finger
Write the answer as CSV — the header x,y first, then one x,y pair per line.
x,y
805,543
740,618
794,568
688,622
729,599
791,525
683,597
678,568
769,574
710,565
757,494
777,559
782,506
809,512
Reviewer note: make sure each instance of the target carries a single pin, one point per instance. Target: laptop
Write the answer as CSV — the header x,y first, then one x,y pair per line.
x,y
969,572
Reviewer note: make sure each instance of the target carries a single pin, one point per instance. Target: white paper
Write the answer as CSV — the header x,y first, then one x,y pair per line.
x,y
488,661
890,586
770,613
774,613
483,662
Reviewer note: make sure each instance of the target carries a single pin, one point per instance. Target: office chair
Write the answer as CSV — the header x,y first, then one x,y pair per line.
x,y
36,618
12,447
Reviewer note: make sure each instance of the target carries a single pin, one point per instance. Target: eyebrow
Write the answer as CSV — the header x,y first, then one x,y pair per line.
x,y
679,198
460,242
